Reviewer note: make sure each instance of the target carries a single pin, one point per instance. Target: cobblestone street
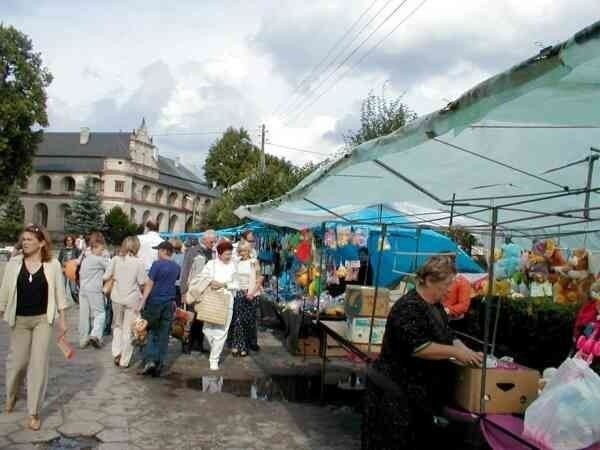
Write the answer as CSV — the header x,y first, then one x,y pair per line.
x,y
90,398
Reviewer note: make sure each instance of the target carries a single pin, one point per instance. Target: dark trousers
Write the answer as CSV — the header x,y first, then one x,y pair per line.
x,y
159,319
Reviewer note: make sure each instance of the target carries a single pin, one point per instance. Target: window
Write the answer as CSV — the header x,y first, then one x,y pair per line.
x,y
68,184
119,186
44,183
40,214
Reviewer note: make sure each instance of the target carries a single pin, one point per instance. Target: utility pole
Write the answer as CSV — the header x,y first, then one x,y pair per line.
x,y
263,164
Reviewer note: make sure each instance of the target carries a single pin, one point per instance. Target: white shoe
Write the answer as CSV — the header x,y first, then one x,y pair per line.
x,y
214,365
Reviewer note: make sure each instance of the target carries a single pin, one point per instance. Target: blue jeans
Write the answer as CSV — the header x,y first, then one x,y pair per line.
x,y
159,319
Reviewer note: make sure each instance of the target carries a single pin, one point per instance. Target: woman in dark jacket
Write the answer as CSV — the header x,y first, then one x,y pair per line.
x,y
409,382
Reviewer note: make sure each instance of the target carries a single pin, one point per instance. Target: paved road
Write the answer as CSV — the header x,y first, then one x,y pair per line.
x,y
88,396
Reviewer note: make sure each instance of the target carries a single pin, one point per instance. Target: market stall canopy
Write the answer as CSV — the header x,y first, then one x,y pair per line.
x,y
523,141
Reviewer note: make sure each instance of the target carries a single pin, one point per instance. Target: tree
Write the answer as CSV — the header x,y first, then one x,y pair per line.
x,y
231,158
12,215
379,117
87,214
23,83
118,226
279,178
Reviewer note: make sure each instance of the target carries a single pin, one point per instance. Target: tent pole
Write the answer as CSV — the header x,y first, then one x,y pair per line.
x,y
320,271
488,308
377,270
452,211
592,160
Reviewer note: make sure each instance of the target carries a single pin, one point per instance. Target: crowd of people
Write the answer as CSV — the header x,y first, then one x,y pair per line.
x,y
146,278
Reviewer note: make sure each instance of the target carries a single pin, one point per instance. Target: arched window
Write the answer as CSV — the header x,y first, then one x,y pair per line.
x,y
62,213
172,223
159,196
159,220
134,191
172,199
145,217
145,192
68,184
40,214
207,203
188,202
44,183
132,215
189,224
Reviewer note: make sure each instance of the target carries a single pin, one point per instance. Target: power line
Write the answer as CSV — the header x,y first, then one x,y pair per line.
x,y
331,49
298,149
297,102
353,52
359,62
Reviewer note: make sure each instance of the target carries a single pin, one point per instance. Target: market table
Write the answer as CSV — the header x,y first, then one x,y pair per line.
x,y
336,331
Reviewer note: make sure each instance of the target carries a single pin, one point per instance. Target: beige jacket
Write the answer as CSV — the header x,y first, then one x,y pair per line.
x,y
57,296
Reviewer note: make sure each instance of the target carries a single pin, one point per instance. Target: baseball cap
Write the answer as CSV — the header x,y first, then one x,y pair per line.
x,y
164,245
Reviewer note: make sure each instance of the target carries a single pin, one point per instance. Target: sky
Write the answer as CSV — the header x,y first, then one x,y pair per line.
x,y
302,68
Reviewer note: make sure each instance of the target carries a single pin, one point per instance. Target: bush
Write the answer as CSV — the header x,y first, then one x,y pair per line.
x,y
536,332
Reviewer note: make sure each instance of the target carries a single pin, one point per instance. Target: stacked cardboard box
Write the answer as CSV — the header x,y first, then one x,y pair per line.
x,y
359,304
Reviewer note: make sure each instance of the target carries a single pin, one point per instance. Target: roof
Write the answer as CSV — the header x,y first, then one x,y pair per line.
x,y
62,152
521,142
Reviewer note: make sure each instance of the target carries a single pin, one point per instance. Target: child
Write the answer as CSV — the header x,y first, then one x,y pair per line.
x,y
157,306
588,317
92,314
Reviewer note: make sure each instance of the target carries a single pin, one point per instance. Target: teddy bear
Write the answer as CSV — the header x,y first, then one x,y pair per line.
x,y
509,262
575,279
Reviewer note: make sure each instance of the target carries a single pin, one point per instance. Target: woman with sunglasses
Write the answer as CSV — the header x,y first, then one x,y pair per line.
x,y
32,295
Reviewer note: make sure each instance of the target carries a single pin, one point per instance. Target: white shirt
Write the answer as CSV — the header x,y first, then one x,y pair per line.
x,y
147,254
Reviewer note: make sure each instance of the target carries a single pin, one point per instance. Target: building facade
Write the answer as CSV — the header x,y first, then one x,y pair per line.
x,y
128,172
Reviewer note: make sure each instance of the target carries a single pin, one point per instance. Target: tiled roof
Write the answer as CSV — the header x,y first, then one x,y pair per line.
x,y
62,152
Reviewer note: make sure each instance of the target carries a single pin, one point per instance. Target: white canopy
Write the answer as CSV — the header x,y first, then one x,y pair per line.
x,y
495,146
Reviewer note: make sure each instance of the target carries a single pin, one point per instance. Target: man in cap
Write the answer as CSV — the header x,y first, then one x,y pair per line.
x,y
157,307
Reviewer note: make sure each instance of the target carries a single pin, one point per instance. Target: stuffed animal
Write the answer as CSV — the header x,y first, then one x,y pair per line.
x,y
510,261
304,275
140,331
538,266
578,267
540,286
566,292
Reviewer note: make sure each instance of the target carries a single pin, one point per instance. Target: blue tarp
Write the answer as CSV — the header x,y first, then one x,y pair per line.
x,y
395,264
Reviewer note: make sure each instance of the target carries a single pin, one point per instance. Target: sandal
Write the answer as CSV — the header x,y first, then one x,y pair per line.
x,y
117,360
34,423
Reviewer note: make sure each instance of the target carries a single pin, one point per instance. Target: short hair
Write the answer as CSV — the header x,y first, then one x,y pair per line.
x,y
67,237
96,238
41,234
437,268
152,225
130,246
244,245
245,233
177,244
224,246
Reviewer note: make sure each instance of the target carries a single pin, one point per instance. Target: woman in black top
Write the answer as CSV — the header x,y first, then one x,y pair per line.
x,y
32,296
409,382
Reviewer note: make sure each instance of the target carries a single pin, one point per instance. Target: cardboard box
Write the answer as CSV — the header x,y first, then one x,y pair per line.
x,y
507,391
359,301
359,329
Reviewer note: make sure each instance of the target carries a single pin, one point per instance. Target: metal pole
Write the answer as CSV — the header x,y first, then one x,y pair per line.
x,y
450,222
320,272
377,270
592,160
263,164
488,308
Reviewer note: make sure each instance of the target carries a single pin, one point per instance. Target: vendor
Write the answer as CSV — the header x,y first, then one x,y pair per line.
x,y
458,300
410,382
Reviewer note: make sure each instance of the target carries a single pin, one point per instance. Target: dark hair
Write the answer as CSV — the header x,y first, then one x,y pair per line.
x,y
437,268
224,246
67,237
152,225
41,235
245,234
95,238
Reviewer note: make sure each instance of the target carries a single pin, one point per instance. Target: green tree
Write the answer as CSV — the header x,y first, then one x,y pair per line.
x,y
23,83
280,176
12,215
118,226
231,158
379,117
87,214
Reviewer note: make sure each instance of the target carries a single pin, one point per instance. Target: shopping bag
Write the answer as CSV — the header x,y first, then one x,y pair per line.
x,y
213,306
182,324
566,415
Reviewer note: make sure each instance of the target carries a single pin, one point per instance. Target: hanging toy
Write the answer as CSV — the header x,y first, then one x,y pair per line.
x,y
329,239
304,249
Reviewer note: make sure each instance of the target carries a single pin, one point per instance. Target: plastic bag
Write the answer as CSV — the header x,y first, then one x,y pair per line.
x,y
565,416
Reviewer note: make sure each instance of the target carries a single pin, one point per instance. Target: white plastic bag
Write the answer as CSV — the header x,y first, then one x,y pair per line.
x,y
567,414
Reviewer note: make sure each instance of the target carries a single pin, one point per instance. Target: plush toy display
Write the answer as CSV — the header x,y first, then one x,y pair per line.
x,y
304,276
509,262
